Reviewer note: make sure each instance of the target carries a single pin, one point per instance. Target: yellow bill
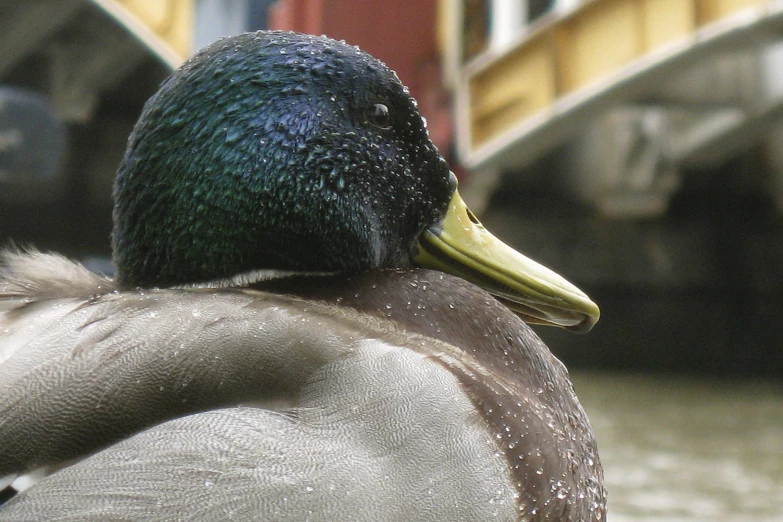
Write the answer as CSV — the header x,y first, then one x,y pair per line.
x,y
460,245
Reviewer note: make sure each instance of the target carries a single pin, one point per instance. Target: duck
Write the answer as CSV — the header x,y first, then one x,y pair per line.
x,y
306,321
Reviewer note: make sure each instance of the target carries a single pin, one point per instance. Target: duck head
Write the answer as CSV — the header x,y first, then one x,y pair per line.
x,y
282,151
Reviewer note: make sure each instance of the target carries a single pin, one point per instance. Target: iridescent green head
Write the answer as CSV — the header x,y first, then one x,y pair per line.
x,y
280,151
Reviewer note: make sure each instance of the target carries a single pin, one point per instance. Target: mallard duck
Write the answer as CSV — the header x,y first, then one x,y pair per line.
x,y
302,323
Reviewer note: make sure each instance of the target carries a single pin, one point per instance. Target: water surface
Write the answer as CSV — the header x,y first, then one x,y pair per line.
x,y
687,449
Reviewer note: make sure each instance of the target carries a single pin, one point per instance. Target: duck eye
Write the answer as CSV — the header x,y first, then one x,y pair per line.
x,y
378,116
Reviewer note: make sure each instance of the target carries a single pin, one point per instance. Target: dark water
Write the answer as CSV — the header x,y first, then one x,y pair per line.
x,y
687,450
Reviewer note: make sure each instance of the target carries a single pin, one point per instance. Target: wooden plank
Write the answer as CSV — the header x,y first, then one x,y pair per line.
x,y
597,40
159,47
666,21
171,20
512,89
708,11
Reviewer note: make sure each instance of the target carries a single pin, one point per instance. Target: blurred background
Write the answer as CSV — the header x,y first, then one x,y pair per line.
x,y
634,146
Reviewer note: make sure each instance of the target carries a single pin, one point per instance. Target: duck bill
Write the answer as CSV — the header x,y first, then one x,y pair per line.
x,y
460,245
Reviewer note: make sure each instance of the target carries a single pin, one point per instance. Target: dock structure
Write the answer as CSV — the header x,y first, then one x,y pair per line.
x,y
634,93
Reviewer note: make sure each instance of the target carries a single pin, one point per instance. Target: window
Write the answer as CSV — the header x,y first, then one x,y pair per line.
x,y
493,24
